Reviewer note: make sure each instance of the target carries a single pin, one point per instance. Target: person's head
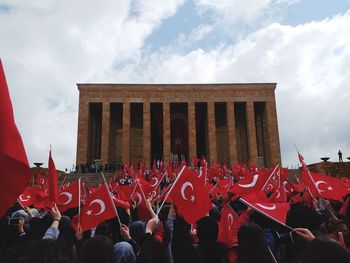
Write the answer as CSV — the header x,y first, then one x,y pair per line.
x,y
97,249
137,231
252,244
124,253
207,230
104,229
322,250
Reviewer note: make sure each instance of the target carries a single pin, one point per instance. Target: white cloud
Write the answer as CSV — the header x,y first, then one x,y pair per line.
x,y
49,46
309,62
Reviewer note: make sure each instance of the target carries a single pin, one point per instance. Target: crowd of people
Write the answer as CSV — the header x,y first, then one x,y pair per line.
x,y
316,230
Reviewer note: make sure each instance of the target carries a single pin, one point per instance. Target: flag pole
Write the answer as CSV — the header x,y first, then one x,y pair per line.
x,y
171,188
63,181
268,179
79,201
262,212
110,198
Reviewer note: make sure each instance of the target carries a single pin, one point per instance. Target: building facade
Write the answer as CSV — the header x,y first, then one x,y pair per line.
x,y
135,122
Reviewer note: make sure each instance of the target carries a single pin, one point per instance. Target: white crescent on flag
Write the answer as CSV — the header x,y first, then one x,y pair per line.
x,y
272,207
183,188
69,197
101,204
24,198
155,183
252,184
139,199
322,182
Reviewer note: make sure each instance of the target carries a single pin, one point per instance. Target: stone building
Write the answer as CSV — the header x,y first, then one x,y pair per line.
x,y
225,122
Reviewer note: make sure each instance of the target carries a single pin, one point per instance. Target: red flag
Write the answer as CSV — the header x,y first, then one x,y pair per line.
x,y
307,178
41,180
142,211
275,211
190,196
69,197
330,187
227,219
31,195
15,171
249,184
53,185
98,208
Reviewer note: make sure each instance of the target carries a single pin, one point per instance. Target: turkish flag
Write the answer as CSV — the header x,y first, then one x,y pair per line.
x,y
41,180
249,184
31,195
275,211
53,185
69,197
307,178
148,187
330,187
142,211
279,195
190,196
98,208
15,171
228,217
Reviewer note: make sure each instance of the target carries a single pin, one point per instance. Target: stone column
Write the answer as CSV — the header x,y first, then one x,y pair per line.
x,y
191,130
166,131
83,126
212,132
126,130
146,132
252,144
105,132
232,132
273,136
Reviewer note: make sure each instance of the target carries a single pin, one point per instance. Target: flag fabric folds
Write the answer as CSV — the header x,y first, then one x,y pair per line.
x,y
15,171
53,185
190,196
98,208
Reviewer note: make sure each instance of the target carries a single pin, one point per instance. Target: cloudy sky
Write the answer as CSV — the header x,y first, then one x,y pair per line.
x,y
47,46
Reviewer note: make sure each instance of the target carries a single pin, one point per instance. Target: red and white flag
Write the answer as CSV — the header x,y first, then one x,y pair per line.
x,y
330,187
228,217
69,196
249,184
307,178
275,211
98,208
15,171
190,196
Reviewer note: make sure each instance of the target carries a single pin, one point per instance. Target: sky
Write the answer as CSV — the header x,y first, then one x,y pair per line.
x,y
47,46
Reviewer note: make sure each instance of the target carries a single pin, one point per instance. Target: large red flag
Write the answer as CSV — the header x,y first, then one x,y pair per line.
x,y
330,187
53,185
69,196
98,208
15,171
190,196
275,211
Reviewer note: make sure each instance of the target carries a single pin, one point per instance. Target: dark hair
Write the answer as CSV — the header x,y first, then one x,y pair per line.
x,y
207,229
252,245
322,250
97,249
